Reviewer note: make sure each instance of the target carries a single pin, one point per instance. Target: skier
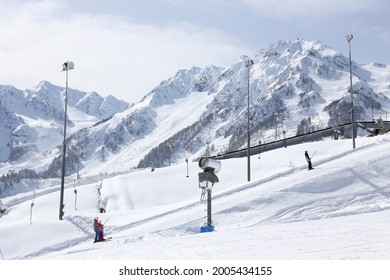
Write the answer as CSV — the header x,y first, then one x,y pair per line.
x,y
2,210
96,228
308,159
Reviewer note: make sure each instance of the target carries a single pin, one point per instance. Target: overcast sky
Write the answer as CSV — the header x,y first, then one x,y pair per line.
x,y
127,47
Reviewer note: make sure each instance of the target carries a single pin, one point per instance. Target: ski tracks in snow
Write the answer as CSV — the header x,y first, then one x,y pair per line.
x,y
286,197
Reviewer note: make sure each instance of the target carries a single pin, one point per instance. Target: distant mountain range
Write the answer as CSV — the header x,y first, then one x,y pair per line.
x,y
294,87
31,121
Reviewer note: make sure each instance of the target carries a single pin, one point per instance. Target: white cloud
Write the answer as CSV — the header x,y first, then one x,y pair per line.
x,y
290,9
111,54
119,56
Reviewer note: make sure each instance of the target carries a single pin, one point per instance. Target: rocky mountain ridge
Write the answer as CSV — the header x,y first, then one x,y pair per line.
x,y
294,87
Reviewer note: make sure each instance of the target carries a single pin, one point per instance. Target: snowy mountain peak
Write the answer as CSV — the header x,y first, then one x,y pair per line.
x,y
289,48
182,84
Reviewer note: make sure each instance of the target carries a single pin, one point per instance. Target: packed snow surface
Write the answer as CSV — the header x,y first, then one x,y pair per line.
x,y
339,210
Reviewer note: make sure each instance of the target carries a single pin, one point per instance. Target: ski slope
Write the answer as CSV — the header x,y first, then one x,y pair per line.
x,y
339,210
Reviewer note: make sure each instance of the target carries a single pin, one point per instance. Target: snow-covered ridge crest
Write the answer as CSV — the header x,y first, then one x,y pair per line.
x,y
182,84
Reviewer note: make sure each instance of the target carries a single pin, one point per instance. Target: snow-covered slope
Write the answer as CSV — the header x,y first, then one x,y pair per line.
x,y
339,210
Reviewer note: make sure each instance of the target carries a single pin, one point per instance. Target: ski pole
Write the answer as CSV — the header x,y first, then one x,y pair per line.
x,y
313,154
105,221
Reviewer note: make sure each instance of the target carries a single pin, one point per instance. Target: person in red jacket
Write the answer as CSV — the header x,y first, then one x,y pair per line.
x,y
96,228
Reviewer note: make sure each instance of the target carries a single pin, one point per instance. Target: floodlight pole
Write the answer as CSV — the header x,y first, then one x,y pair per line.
x,y
170,151
349,39
248,64
65,67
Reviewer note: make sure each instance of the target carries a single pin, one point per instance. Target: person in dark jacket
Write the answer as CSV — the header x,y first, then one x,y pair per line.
x,y
308,159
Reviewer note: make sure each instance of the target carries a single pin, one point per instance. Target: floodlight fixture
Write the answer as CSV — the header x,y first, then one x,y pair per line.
x,y
68,65
249,62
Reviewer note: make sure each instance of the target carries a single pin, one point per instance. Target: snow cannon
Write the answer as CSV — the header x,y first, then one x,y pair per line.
x,y
210,167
